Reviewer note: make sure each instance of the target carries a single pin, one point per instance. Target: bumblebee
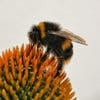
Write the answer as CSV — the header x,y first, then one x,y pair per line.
x,y
56,39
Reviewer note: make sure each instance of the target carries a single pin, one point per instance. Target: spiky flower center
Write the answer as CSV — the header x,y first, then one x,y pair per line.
x,y
25,76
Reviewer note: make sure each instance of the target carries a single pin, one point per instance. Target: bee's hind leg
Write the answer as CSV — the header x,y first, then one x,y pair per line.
x,y
60,58
46,53
60,65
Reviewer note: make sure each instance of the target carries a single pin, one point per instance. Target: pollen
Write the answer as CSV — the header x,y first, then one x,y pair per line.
x,y
25,76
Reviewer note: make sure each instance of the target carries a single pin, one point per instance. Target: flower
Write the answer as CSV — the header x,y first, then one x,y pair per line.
x,y
25,76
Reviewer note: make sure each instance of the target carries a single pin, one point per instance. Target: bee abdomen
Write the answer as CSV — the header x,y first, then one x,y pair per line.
x,y
67,54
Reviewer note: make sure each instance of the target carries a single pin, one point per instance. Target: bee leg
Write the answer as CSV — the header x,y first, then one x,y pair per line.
x,y
59,67
31,45
60,57
58,52
60,64
46,54
39,44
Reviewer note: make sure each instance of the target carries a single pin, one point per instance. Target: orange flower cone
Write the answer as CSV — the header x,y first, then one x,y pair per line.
x,y
25,76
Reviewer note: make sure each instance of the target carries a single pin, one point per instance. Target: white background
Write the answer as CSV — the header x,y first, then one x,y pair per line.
x,y
80,16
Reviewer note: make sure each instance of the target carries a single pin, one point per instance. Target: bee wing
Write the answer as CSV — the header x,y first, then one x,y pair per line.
x,y
70,35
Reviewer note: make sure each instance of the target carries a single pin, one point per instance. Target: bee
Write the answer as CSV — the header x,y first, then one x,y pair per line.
x,y
56,39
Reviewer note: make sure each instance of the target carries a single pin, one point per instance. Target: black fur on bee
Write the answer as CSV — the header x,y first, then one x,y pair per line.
x,y
60,46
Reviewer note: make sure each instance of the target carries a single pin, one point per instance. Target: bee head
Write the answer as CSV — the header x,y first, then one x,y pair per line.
x,y
34,35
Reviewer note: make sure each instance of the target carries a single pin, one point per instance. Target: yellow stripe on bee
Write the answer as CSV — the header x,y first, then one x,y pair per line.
x,y
42,29
66,61
66,44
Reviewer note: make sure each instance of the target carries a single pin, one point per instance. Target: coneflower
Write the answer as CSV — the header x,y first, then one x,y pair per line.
x,y
25,76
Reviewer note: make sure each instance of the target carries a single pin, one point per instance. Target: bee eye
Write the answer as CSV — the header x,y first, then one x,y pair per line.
x,y
30,34
35,29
